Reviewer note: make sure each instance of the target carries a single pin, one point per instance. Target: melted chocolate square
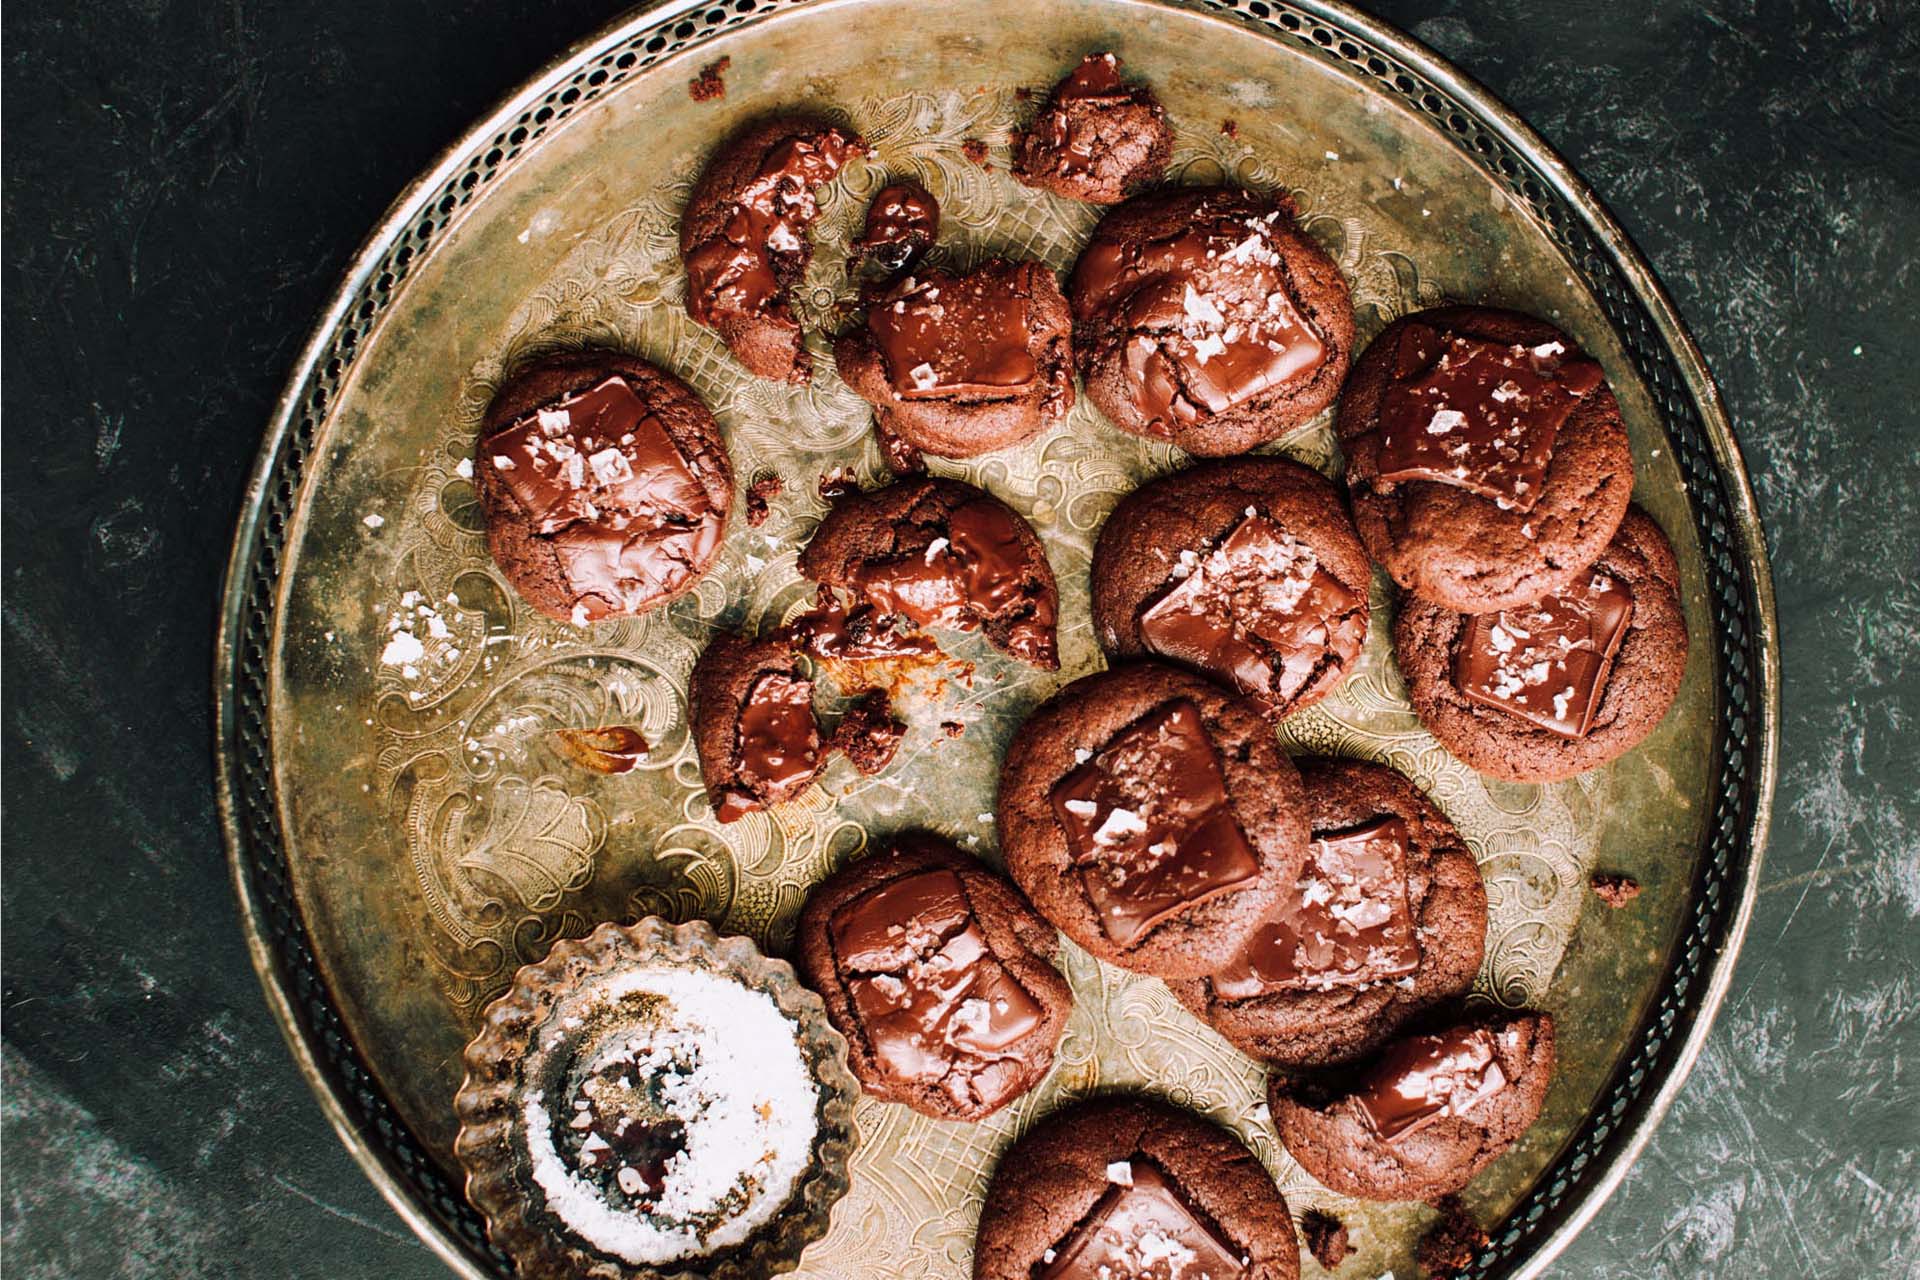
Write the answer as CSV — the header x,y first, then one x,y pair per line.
x,y
1143,1231
779,744
943,335
1479,415
1547,662
1346,924
1148,823
1422,1079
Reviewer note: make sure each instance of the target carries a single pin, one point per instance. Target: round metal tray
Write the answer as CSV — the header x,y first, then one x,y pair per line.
x,y
403,838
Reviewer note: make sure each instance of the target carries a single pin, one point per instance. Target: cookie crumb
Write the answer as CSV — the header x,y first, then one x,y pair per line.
x,y
837,483
1025,94
1613,889
763,488
1230,127
1326,1238
708,85
975,150
1449,1245
868,734
952,728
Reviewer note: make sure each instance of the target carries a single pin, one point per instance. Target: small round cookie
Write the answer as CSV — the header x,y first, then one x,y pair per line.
x,y
903,221
958,364
1487,461
1561,685
1152,817
1424,1115
743,236
751,710
1072,1198
941,553
939,975
1098,139
1388,919
1206,317
603,483
1247,570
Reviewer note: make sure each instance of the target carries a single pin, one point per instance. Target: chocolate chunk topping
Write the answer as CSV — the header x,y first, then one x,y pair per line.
x,y
1143,1229
902,223
862,634
945,336
1426,1078
1346,924
1148,824
779,745
1211,321
1476,414
936,1005
1257,611
1547,662
603,483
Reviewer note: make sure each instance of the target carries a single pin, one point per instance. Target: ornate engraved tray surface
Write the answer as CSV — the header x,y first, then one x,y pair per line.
x,y
404,833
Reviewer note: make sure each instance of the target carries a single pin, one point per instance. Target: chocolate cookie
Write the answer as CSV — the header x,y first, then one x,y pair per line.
x,y
961,364
939,975
1098,139
1152,817
744,241
604,485
1426,1114
1247,570
1388,919
942,554
1207,317
902,223
1486,457
1564,684
753,724
1132,1189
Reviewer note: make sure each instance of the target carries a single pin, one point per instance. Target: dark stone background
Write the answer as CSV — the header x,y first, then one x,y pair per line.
x,y
185,181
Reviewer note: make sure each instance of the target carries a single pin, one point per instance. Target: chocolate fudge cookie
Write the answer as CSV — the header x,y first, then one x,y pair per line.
x,y
1426,1114
942,554
961,364
1560,685
902,223
1207,317
744,241
1247,570
939,975
1132,1189
1486,457
1152,817
1388,919
1098,139
753,725
604,485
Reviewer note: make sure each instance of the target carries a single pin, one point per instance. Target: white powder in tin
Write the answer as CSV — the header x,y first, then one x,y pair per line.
x,y
746,1098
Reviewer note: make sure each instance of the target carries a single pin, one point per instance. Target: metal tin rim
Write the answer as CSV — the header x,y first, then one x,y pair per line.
x,y
1636,1124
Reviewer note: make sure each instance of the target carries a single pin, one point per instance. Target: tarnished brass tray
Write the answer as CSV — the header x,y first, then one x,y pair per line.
x,y
403,835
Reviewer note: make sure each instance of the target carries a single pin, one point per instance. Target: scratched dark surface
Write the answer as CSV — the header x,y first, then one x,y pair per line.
x,y
183,185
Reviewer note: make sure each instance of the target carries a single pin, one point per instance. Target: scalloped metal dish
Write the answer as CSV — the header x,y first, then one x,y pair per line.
x,y
401,839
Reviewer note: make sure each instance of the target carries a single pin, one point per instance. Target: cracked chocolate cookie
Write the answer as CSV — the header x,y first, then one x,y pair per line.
x,y
603,483
942,554
1562,684
1388,919
1208,318
1487,461
1425,1114
1098,138
962,363
902,223
939,975
1132,1189
1152,817
1247,570
743,237
753,725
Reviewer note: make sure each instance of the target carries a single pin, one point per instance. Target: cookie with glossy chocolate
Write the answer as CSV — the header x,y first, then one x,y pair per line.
x,y
1487,461
939,975
1562,684
942,554
1152,817
743,237
1099,138
1246,570
962,363
1126,1188
1388,919
1421,1117
1206,317
902,223
603,483
753,724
